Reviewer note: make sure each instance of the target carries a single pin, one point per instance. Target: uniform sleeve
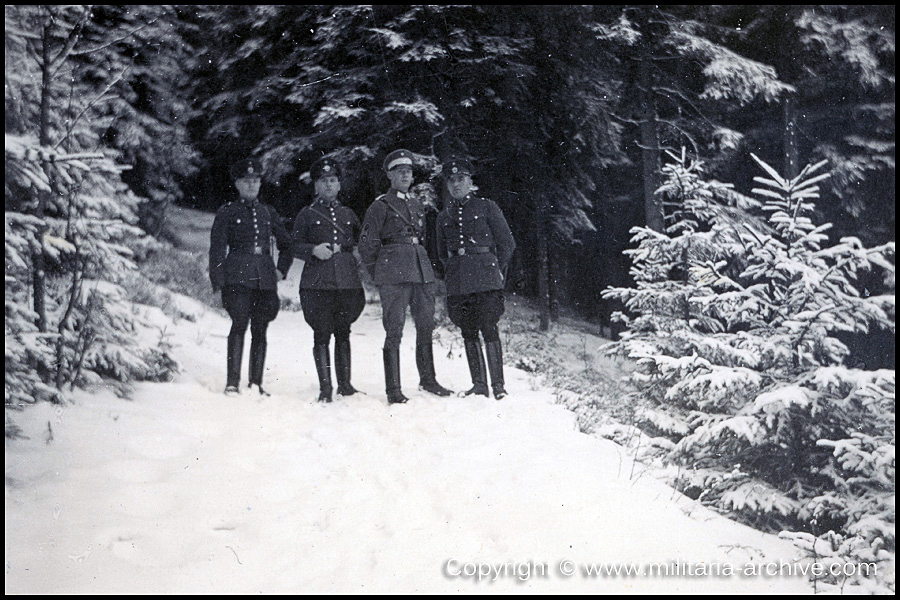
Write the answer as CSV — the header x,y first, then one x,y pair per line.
x,y
370,237
356,227
218,248
441,239
503,237
282,241
301,246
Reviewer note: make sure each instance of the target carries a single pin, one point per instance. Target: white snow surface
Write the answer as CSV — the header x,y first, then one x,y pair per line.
x,y
181,489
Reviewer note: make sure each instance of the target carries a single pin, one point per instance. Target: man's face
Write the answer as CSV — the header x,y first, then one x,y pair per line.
x,y
327,187
401,178
248,186
459,185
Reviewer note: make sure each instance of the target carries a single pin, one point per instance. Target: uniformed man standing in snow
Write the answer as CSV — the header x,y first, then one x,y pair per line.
x,y
391,249
241,266
331,293
475,244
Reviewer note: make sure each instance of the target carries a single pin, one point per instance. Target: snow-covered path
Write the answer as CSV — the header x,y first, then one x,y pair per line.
x,y
182,490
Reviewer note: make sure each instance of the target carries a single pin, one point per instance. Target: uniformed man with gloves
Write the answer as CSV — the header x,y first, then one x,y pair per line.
x,y
242,267
331,293
475,244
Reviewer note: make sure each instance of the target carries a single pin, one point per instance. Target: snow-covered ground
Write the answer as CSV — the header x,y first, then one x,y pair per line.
x,y
183,490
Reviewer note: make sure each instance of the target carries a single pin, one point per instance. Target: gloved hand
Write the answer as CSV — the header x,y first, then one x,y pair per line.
x,y
322,251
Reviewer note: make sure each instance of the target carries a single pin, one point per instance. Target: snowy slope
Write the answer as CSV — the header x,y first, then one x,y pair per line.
x,y
182,490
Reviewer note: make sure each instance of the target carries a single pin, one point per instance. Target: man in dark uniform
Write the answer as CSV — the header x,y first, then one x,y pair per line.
x,y
476,245
391,249
241,266
331,293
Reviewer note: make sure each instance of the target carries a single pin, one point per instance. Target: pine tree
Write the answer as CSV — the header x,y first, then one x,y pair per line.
x,y
676,69
71,222
839,62
738,310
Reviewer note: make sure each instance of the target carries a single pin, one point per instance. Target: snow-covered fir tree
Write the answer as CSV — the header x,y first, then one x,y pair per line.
x,y
734,324
71,222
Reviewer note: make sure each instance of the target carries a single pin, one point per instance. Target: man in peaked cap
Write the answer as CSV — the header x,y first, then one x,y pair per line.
x,y
331,292
391,249
242,267
475,244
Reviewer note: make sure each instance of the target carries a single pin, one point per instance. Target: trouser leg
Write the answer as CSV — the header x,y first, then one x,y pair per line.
x,y
350,305
235,355
238,304
264,309
422,306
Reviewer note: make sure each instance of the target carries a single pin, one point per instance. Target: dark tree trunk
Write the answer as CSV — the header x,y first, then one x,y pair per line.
x,y
543,267
554,287
38,259
650,151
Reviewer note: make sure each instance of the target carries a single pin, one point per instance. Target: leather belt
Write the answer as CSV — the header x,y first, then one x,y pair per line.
x,y
402,240
335,248
250,249
471,250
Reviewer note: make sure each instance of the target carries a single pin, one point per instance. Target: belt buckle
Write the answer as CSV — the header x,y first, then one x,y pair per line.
x,y
257,250
462,251
336,248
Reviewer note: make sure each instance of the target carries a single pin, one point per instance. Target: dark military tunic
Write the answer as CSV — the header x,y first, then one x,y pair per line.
x,y
475,244
391,241
240,250
333,224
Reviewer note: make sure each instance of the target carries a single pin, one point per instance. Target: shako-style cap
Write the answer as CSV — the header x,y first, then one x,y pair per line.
x,y
323,167
246,169
457,165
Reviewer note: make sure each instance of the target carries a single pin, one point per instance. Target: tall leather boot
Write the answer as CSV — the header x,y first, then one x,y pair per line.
x,y
476,368
257,364
495,366
321,356
233,364
425,364
342,367
392,376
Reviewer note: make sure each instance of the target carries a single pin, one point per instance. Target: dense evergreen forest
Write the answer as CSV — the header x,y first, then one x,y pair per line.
x,y
565,110
716,181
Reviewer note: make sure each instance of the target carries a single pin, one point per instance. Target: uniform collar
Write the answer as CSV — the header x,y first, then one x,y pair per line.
x,y
332,204
465,200
248,203
401,195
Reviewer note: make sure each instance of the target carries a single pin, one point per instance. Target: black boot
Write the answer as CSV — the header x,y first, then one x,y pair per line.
x,y
392,376
321,355
476,369
257,364
235,355
425,364
495,366
342,367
